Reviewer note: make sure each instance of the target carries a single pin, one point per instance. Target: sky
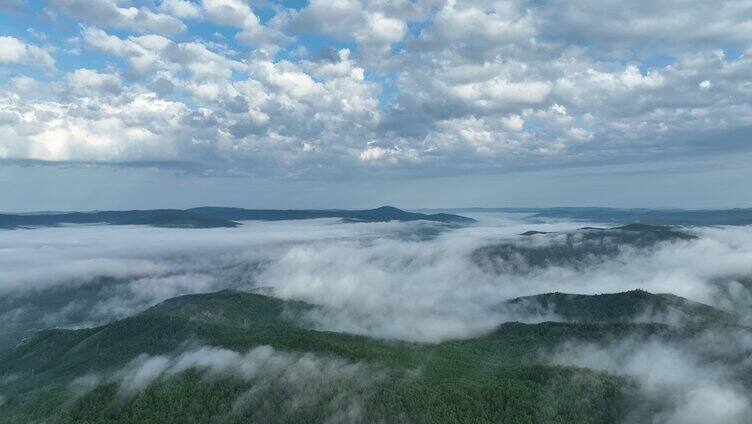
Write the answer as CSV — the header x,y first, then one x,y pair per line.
x,y
108,104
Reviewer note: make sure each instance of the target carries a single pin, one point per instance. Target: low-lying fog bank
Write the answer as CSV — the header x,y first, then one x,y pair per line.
x,y
418,281
413,281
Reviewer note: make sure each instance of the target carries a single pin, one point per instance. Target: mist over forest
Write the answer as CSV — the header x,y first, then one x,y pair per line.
x,y
375,211
339,321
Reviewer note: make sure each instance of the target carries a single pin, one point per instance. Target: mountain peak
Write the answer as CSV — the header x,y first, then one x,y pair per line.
x,y
387,208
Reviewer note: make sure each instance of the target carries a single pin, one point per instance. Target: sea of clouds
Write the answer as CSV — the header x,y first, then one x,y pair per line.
x,y
414,281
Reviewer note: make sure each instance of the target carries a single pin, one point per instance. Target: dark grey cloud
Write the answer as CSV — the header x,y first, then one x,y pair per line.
x,y
108,13
661,24
329,54
14,5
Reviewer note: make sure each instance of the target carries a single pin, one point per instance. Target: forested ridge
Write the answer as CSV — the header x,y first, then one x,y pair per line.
x,y
498,377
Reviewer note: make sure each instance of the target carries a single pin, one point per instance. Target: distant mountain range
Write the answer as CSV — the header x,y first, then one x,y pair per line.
x,y
741,216
214,217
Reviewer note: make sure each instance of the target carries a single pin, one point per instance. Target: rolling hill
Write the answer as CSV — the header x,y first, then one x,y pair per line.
x,y
576,249
631,306
499,377
212,217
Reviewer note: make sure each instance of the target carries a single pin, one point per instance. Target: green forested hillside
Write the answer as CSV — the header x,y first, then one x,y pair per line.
x,y
631,306
576,250
495,378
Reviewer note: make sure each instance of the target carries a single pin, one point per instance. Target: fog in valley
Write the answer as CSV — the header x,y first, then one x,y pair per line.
x,y
413,282
410,281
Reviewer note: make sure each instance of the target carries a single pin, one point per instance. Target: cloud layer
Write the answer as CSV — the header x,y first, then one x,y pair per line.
x,y
349,87
677,379
410,281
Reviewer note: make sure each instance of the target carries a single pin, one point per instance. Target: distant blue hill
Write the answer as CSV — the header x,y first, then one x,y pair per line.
x,y
642,216
216,217
654,217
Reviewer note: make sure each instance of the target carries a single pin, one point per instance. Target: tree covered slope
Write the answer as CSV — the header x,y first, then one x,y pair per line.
x,y
577,249
235,356
631,306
